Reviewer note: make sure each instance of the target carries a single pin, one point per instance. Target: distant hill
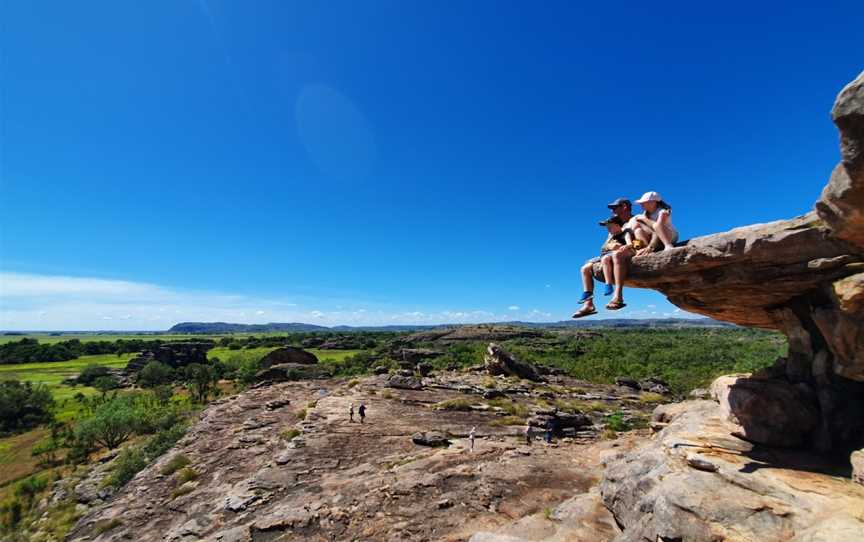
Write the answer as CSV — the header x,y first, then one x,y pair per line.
x,y
224,327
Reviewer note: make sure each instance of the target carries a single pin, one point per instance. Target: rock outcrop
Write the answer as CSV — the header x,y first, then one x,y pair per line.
x,y
803,276
173,354
500,362
695,482
288,354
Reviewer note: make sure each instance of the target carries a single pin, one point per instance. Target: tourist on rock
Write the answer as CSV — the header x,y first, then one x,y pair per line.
x,y
528,434
471,436
654,226
351,412
362,412
550,426
615,256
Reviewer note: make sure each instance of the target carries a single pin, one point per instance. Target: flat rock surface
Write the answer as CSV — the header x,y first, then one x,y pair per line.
x,y
259,479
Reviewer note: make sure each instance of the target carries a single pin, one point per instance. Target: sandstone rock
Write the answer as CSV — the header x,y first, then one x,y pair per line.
x,y
493,394
700,393
772,412
857,460
292,371
499,362
433,439
174,354
842,203
627,382
425,369
659,491
404,382
654,385
288,354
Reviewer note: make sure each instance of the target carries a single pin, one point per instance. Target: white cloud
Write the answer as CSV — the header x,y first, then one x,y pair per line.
x,y
259,313
513,308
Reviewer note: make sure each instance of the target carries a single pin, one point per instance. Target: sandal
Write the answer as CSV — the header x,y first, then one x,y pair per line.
x,y
616,305
586,295
583,312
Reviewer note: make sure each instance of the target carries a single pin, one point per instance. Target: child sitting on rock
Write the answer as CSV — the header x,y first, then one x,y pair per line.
x,y
619,238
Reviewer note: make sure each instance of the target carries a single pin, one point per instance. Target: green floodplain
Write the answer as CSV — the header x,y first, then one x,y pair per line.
x,y
686,358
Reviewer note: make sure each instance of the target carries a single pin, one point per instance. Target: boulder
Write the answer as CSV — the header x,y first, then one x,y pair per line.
x,y
174,354
561,422
288,354
772,412
292,371
433,439
500,362
655,385
425,369
404,382
627,382
493,394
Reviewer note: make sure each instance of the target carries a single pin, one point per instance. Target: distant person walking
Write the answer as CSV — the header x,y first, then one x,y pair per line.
x,y
471,435
528,434
351,412
362,412
550,425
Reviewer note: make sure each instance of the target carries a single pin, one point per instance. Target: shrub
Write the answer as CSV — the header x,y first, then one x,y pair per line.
x,y
455,404
126,466
174,464
617,423
110,426
201,381
155,374
90,373
105,384
24,405
289,434
162,441
186,474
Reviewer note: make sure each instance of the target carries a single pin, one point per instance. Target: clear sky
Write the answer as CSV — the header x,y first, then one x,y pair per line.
x,y
387,162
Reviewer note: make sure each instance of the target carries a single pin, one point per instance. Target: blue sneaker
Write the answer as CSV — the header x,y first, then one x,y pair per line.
x,y
586,296
609,290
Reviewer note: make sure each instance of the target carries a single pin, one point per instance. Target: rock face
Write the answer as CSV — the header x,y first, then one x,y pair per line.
x,y
285,372
772,411
173,354
288,354
500,362
695,482
803,276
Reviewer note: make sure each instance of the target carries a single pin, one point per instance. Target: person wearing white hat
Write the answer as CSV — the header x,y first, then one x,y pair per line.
x,y
654,226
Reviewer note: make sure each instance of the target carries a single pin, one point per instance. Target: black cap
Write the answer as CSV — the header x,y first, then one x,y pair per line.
x,y
620,201
612,220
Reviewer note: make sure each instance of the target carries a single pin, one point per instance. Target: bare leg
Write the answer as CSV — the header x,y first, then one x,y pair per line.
x,y
621,261
608,273
664,230
588,277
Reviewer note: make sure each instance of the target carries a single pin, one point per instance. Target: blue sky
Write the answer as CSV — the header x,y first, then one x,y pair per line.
x,y
387,162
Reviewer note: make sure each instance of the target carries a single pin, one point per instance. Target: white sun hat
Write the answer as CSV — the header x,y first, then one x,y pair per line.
x,y
649,196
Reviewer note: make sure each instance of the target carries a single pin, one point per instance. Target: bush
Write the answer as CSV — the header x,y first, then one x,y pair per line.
x,y
155,374
24,406
201,381
162,441
90,373
174,464
127,465
106,383
110,426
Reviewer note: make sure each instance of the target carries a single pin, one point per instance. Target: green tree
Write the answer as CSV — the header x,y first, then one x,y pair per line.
x,y
90,373
155,374
201,381
24,405
110,426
